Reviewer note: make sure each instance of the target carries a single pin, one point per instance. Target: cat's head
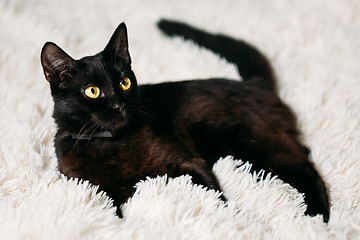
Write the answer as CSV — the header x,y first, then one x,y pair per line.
x,y
94,93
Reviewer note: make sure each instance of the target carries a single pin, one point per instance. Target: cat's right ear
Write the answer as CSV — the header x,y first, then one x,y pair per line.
x,y
118,47
57,64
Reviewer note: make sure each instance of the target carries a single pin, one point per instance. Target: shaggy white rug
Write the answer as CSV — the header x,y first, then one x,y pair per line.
x,y
315,50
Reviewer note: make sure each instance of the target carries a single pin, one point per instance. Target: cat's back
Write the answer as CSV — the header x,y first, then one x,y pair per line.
x,y
211,100
213,116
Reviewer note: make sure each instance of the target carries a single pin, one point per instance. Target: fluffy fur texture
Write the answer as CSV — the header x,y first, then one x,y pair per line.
x,y
314,48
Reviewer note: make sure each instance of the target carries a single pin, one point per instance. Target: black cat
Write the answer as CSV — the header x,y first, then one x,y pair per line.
x,y
114,132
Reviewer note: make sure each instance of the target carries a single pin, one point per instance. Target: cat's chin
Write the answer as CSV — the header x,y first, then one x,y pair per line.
x,y
112,125
116,125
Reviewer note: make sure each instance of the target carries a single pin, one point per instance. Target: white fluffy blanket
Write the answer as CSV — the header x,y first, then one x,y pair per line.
x,y
315,50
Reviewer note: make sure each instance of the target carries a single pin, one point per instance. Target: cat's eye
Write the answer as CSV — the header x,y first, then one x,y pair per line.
x,y
92,92
125,83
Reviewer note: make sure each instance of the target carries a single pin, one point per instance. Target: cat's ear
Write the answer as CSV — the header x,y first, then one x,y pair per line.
x,y
57,64
118,49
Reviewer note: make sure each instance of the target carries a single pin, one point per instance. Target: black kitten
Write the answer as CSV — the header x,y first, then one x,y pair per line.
x,y
114,133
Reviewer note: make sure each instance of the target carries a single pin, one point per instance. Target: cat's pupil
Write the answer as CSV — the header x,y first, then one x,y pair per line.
x,y
92,90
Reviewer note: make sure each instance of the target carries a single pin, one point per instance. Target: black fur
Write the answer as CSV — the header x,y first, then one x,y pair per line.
x,y
174,128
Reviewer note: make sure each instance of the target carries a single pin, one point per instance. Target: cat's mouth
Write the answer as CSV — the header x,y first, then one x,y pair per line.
x,y
111,122
115,125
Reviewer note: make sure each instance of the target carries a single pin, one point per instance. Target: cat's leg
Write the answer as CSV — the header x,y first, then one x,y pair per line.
x,y
120,193
201,174
307,180
294,167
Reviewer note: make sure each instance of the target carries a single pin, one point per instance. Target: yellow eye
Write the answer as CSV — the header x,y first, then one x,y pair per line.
x,y
92,92
125,83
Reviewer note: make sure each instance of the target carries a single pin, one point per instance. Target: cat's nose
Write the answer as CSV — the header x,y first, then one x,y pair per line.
x,y
117,106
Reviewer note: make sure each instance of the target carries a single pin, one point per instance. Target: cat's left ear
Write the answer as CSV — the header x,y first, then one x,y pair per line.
x,y
118,49
57,64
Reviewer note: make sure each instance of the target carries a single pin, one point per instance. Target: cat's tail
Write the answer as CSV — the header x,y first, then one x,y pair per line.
x,y
251,63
